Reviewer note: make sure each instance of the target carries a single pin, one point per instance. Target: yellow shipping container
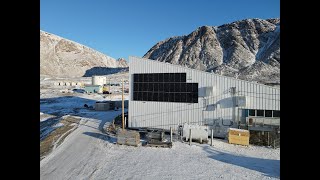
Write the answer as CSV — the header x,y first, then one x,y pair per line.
x,y
238,136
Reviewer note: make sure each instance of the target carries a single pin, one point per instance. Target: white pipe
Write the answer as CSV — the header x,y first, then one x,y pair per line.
x,y
211,137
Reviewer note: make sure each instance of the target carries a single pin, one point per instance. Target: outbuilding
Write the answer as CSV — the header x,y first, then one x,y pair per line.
x,y
93,89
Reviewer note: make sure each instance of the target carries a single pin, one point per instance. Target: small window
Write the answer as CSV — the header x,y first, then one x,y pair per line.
x,y
260,112
252,112
276,113
268,113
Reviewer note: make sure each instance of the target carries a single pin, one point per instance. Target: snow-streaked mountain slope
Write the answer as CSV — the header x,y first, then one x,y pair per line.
x,y
60,57
248,49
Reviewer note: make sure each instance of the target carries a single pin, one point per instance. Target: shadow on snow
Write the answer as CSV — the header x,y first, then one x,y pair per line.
x,y
101,136
72,105
269,167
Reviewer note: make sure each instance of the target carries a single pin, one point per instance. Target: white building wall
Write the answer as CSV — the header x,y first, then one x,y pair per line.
x,y
171,114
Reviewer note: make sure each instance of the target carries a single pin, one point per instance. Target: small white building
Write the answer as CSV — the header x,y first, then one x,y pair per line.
x,y
164,95
99,80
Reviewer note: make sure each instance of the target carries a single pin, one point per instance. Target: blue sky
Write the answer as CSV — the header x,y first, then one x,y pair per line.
x,y
120,28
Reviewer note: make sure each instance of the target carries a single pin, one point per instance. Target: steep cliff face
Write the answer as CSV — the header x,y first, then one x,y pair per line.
x,y
248,49
60,57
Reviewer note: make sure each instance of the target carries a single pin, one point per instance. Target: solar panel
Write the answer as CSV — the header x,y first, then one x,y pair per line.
x,y
166,77
135,78
183,77
183,97
145,78
160,77
164,87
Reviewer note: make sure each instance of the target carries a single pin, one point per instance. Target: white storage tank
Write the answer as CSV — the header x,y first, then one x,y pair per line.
x,y
198,132
99,80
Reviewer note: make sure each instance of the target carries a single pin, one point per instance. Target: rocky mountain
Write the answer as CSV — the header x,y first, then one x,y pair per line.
x,y
60,57
248,49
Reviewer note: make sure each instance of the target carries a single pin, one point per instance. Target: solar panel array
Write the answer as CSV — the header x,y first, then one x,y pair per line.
x,y
164,87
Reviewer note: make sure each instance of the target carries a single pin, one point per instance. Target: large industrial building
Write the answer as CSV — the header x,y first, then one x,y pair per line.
x,y
164,95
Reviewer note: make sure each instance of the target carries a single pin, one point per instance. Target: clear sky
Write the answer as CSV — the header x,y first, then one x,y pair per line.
x,y
120,28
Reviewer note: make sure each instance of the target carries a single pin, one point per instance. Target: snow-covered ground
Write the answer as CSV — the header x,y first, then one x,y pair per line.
x,y
88,153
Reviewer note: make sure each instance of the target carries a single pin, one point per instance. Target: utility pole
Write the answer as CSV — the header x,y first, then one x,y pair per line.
x,y
190,137
122,107
109,85
171,134
233,92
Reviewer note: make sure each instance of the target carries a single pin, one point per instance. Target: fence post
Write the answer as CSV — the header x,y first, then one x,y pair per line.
x,y
171,134
268,139
190,137
211,137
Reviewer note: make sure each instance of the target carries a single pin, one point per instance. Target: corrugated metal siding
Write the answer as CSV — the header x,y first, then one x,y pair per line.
x,y
171,114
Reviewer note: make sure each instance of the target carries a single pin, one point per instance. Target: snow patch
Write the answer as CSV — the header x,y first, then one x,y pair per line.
x,y
58,125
